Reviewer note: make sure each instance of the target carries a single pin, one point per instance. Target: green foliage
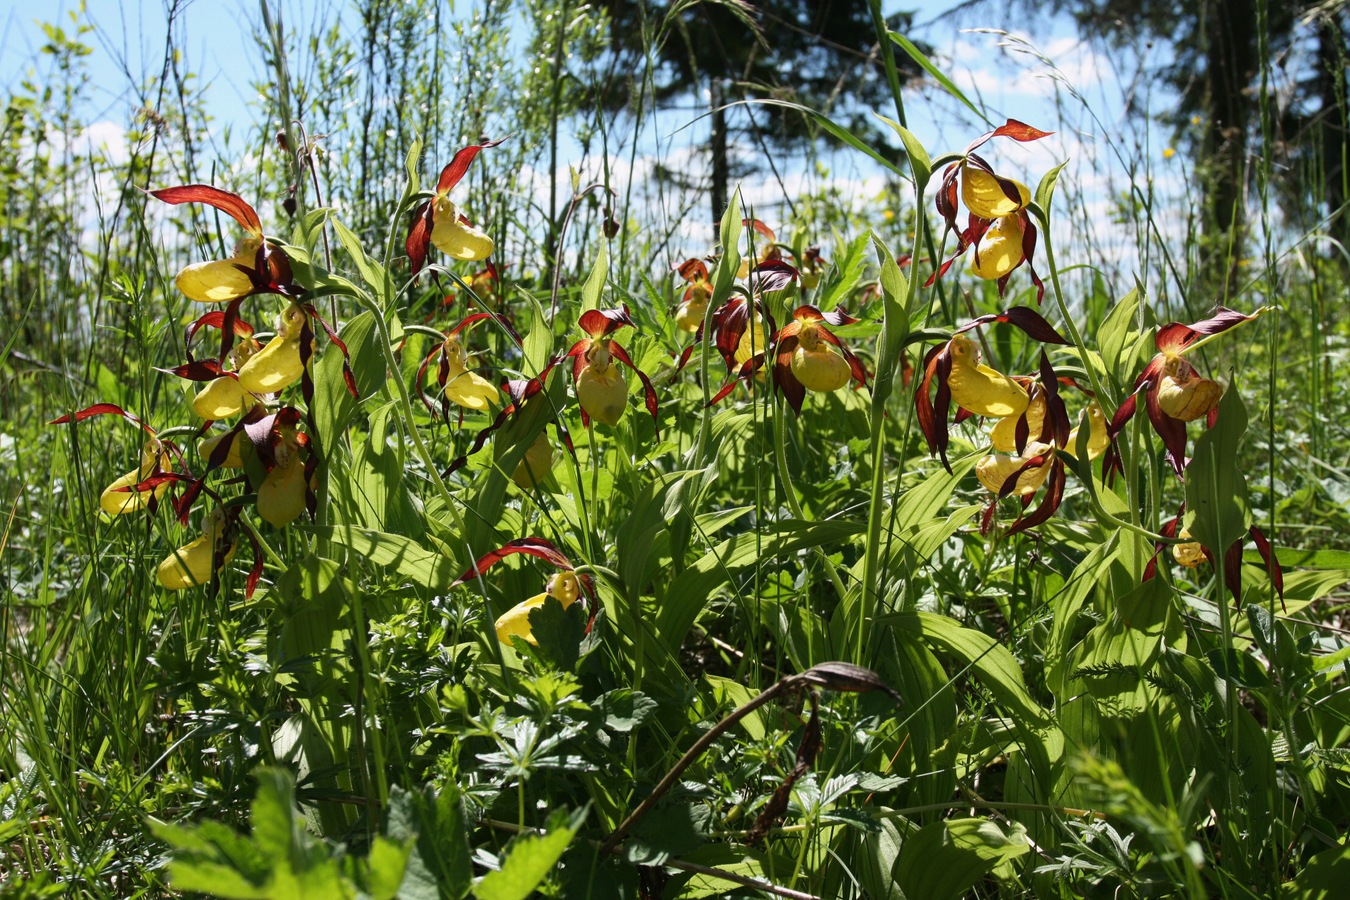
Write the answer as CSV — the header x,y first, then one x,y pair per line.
x,y
650,658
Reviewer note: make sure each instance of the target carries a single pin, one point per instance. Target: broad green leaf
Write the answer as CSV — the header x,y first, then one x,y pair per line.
x,y
1217,514
595,283
1045,191
732,692
1117,334
527,863
918,156
392,551
690,592
927,499
945,859
671,829
372,273
850,271
440,864
1324,877
333,405
539,338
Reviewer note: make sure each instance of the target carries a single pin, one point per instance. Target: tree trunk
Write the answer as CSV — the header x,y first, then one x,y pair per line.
x,y
721,166
1230,63
1332,136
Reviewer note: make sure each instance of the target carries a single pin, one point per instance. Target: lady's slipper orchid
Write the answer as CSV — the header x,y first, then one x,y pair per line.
x,y
806,358
976,389
126,493
535,465
221,397
1192,554
1174,393
281,496
257,266
979,389
1027,455
694,303
458,385
601,388
567,586
197,562
232,458
768,249
284,492
277,366
999,226
122,497
439,222
1027,469
515,622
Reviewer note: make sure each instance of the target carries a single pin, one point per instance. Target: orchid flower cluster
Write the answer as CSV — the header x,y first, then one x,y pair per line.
x,y
246,383
252,423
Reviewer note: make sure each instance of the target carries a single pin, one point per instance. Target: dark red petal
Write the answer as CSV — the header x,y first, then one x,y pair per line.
x,y
648,391
1053,496
693,270
771,275
227,202
747,370
198,370
1057,418
459,165
419,236
1019,131
347,375
532,546
1172,431
600,322
838,317
1272,563
102,409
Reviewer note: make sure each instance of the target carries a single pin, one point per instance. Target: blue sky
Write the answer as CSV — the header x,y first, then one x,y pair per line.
x,y
1082,96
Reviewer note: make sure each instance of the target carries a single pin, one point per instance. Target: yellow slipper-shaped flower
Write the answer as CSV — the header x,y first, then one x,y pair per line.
x,y
233,458
191,565
1004,433
221,398
1189,554
1188,398
281,496
691,311
980,389
601,389
456,239
221,280
999,250
469,389
1098,437
996,468
984,196
276,366
116,502
816,364
535,465
515,622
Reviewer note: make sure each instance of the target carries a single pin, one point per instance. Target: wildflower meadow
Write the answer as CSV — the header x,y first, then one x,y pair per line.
x,y
462,468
